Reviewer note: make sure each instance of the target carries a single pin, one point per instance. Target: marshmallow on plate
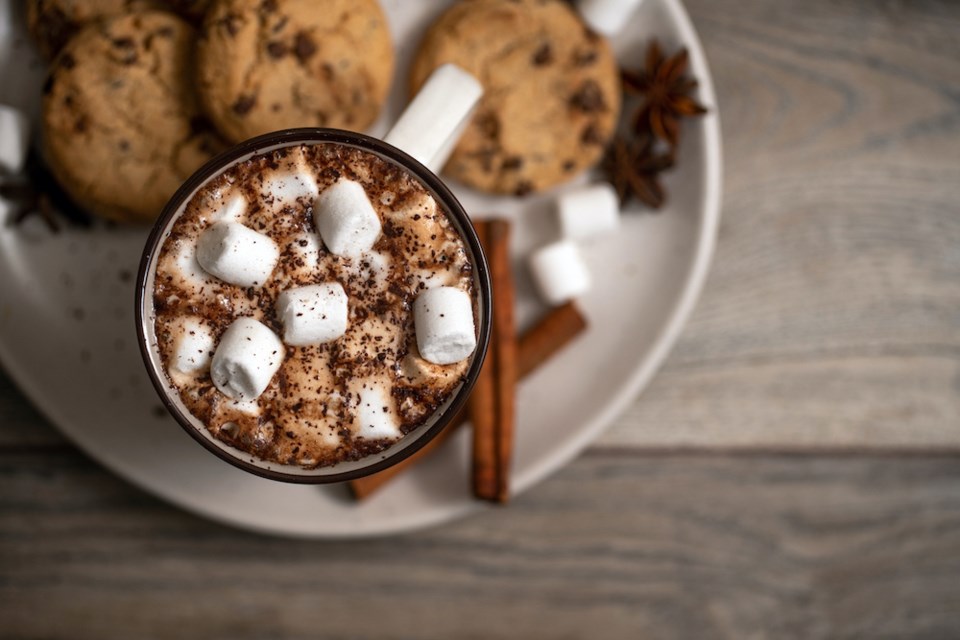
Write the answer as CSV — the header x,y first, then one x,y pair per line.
x,y
589,211
192,347
248,356
606,16
345,219
14,139
559,272
443,317
237,254
313,314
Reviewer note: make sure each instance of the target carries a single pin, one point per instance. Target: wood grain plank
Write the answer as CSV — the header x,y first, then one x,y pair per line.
x,y
21,425
837,273
616,545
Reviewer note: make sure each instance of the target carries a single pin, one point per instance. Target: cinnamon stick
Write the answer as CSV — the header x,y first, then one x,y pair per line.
x,y
492,407
537,345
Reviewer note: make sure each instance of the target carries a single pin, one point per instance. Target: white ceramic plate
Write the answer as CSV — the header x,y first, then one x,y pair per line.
x,y
67,330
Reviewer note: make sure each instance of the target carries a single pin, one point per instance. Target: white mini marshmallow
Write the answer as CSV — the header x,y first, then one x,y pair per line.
x,y
14,139
589,211
607,16
289,189
229,208
313,314
237,254
374,416
246,359
345,219
192,346
443,317
560,272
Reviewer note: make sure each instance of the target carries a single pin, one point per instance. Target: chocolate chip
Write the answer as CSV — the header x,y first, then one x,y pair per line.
x,y
124,145
543,55
199,124
488,124
68,61
512,163
588,98
568,165
304,47
230,22
268,6
584,58
243,105
276,49
523,188
591,135
165,32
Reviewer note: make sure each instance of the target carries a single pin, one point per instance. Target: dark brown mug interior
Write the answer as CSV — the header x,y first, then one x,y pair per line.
x,y
408,444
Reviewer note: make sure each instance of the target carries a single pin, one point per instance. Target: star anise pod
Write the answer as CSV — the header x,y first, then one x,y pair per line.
x,y
665,89
634,168
26,201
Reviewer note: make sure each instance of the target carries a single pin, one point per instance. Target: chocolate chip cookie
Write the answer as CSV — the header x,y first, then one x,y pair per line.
x,y
53,22
265,65
121,121
551,91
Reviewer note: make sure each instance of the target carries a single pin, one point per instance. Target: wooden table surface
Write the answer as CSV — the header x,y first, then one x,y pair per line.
x,y
792,472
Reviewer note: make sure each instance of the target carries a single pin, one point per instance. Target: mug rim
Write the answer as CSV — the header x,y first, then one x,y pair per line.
x,y
319,135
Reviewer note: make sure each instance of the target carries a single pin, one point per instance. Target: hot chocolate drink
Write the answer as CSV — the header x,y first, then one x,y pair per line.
x,y
312,305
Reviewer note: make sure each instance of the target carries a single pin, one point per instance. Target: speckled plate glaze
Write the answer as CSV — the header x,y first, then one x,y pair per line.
x,y
67,329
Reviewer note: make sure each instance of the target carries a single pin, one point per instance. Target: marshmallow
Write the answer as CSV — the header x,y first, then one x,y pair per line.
x,y
192,347
313,314
606,16
559,272
237,254
345,219
289,189
229,209
374,417
444,322
589,211
432,123
248,355
14,139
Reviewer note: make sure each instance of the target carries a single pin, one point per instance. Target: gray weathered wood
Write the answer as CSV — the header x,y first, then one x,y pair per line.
x,y
615,546
832,312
